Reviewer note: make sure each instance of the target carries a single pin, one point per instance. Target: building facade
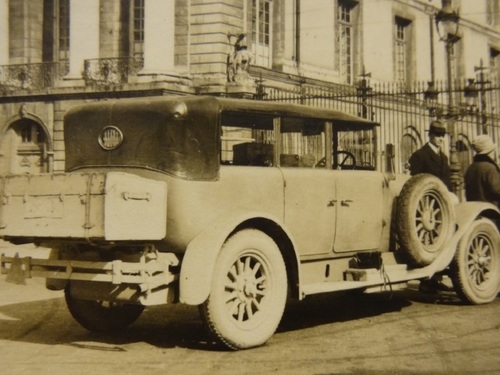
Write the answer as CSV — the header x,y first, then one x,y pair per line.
x,y
55,54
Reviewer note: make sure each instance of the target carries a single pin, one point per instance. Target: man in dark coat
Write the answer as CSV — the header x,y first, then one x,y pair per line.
x,y
430,158
482,179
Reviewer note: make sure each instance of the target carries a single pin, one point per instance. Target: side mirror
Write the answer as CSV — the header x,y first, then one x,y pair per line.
x,y
390,156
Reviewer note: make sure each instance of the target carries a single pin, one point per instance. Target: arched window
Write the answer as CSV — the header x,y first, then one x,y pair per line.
x,y
410,142
25,143
31,135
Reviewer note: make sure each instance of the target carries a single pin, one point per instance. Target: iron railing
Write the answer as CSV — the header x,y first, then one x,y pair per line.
x,y
32,76
111,71
403,112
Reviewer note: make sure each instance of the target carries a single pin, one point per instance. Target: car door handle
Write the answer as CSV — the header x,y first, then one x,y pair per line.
x,y
345,202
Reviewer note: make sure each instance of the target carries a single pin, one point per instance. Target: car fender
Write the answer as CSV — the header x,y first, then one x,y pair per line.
x,y
201,254
466,213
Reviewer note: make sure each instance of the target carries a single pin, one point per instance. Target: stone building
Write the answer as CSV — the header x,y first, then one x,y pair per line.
x,y
58,53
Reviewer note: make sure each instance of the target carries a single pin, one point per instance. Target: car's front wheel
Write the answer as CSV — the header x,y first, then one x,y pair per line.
x,y
475,269
248,291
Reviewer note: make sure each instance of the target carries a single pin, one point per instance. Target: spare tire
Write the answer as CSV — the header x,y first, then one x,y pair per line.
x,y
425,218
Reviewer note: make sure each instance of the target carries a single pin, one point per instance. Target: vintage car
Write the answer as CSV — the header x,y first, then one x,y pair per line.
x,y
235,206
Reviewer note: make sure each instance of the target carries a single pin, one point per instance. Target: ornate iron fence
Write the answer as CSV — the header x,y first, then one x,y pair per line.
x,y
403,112
111,71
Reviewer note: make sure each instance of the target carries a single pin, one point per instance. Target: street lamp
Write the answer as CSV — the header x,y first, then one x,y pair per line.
x,y
364,91
431,99
470,93
447,23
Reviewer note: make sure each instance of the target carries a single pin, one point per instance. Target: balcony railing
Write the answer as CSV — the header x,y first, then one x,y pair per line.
x,y
111,71
32,76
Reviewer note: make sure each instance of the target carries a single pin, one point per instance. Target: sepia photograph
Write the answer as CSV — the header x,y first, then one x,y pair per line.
x,y
222,187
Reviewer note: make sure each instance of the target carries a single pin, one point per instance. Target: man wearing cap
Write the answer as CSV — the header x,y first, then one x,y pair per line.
x,y
482,179
430,158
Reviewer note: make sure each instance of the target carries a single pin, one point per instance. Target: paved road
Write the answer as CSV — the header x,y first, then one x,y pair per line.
x,y
410,333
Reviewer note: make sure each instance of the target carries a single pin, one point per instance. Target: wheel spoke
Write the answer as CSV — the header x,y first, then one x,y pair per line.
x,y
256,303
428,202
420,208
230,283
233,272
423,237
233,310
256,268
472,275
241,312
261,280
470,263
247,267
487,260
231,296
478,246
433,235
479,277
260,292
249,311
239,266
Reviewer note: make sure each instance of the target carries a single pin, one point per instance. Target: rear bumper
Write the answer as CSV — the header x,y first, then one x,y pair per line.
x,y
149,281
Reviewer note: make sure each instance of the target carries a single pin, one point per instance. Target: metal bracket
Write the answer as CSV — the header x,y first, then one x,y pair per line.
x,y
16,273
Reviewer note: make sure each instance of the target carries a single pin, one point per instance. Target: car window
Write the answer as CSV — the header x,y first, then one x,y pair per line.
x,y
355,148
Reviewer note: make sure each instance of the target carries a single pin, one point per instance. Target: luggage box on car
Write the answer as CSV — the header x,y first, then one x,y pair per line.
x,y
113,206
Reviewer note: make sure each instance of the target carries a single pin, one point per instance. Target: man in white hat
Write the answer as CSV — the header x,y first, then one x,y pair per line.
x,y
482,179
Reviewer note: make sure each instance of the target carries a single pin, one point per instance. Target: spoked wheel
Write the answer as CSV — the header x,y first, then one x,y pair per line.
x,y
248,291
101,316
425,218
475,269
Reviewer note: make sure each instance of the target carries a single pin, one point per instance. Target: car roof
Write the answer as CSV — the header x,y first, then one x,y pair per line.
x,y
290,110
219,104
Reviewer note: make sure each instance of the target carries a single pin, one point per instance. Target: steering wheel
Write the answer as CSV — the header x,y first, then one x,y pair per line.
x,y
344,160
341,160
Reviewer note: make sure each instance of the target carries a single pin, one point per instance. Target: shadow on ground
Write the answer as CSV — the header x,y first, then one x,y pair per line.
x,y
49,322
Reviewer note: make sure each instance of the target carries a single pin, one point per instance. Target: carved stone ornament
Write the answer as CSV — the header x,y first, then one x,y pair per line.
x,y
23,110
239,61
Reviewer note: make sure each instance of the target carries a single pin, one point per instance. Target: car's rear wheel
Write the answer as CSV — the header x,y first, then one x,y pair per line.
x,y
425,218
101,316
475,269
248,291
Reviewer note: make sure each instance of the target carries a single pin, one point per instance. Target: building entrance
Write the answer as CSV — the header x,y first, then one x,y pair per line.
x,y
24,148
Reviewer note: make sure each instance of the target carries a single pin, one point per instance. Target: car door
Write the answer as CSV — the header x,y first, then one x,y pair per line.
x,y
310,209
359,210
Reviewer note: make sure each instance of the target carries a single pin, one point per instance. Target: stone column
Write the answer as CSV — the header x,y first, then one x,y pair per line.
x,y
4,33
83,35
159,37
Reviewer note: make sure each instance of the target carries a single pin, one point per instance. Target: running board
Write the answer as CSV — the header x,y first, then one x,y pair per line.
x,y
388,278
